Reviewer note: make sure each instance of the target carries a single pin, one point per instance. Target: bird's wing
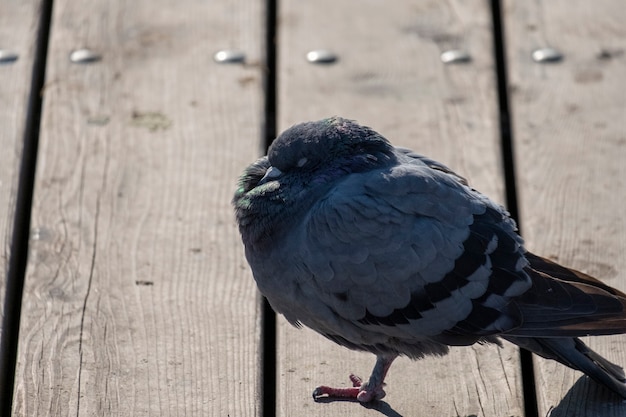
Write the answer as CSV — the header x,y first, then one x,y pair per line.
x,y
565,302
412,252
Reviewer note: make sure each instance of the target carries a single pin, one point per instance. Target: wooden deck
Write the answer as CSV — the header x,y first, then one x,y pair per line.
x,y
137,298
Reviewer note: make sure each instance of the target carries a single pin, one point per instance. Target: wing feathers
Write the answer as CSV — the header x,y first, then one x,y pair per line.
x,y
566,303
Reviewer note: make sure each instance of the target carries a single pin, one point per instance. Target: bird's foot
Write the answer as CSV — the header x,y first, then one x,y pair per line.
x,y
359,391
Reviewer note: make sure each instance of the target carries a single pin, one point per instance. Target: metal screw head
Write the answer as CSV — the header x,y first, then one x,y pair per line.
x,y
41,233
321,56
545,55
455,56
229,56
7,56
84,56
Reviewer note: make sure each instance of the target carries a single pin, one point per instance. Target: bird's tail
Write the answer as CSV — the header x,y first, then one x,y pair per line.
x,y
574,353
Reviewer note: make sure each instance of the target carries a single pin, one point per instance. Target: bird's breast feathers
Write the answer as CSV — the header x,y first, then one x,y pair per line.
x,y
399,247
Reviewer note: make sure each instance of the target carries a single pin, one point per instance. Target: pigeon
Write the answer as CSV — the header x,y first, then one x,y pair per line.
x,y
383,250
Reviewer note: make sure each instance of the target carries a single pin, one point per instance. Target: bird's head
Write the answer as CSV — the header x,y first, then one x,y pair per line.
x,y
302,164
324,150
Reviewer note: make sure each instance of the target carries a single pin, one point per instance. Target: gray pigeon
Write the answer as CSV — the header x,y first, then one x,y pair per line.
x,y
383,250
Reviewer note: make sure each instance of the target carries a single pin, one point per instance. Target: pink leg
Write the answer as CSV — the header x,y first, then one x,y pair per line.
x,y
361,391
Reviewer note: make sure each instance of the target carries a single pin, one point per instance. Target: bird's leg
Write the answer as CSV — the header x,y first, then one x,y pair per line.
x,y
362,391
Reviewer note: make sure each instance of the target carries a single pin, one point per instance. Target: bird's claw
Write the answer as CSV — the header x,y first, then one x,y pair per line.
x,y
359,391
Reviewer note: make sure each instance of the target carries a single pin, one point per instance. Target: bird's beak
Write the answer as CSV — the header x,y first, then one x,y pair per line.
x,y
270,174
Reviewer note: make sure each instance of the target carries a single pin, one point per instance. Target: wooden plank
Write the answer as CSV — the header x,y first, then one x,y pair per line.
x,y
18,30
18,35
570,131
138,300
389,76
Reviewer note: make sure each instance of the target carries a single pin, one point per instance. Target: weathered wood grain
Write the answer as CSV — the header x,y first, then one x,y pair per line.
x,y
389,76
570,131
18,36
18,31
138,301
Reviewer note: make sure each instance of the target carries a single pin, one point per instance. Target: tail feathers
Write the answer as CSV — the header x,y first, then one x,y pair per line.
x,y
574,353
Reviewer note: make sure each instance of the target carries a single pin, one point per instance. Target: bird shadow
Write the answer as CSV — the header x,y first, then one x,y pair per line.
x,y
587,398
378,405
383,408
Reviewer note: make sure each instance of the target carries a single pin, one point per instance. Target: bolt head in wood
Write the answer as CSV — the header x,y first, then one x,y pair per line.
x,y
7,57
545,55
84,56
455,56
321,56
229,56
